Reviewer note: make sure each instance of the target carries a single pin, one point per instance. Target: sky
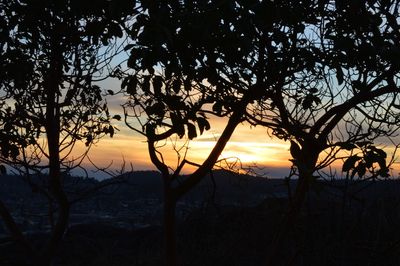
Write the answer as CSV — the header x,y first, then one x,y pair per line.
x,y
252,146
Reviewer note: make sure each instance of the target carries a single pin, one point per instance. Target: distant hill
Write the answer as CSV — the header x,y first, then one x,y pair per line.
x,y
120,218
224,184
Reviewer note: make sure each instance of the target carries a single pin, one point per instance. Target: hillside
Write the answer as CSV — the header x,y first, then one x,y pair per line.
x,y
118,222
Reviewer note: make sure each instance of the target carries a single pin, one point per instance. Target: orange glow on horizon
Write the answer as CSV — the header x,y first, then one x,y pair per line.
x,y
250,146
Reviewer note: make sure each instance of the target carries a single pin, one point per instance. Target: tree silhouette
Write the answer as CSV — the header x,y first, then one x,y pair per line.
x,y
196,59
53,54
320,74
345,99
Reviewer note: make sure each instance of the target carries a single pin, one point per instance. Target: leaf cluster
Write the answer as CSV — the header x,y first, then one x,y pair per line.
x,y
52,54
318,72
370,158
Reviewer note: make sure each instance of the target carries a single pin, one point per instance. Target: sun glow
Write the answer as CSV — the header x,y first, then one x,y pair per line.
x,y
247,146
131,149
246,152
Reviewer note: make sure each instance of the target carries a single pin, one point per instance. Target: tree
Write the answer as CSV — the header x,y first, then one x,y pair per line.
x,y
320,74
196,59
53,54
344,101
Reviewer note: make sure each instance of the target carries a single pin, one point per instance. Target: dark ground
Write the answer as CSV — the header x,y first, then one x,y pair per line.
x,y
361,229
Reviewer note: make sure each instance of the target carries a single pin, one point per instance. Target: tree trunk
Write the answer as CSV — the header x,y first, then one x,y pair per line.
x,y
61,224
169,228
305,164
53,140
288,221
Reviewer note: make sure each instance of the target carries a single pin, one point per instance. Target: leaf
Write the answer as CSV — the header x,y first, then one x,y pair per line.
x,y
294,149
92,60
361,169
176,85
339,75
370,158
115,30
350,163
191,131
178,124
217,108
110,92
68,97
187,84
89,139
141,19
104,41
117,117
129,46
381,153
150,131
347,146
316,99
124,83
131,86
203,124
383,172
381,161
146,84
157,84
307,102
111,131
175,119
131,62
180,130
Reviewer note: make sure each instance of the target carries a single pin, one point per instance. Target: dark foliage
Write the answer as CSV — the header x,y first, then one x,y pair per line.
x,y
323,75
52,54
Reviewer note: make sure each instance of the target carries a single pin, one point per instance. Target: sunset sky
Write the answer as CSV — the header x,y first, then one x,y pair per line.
x,y
251,145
